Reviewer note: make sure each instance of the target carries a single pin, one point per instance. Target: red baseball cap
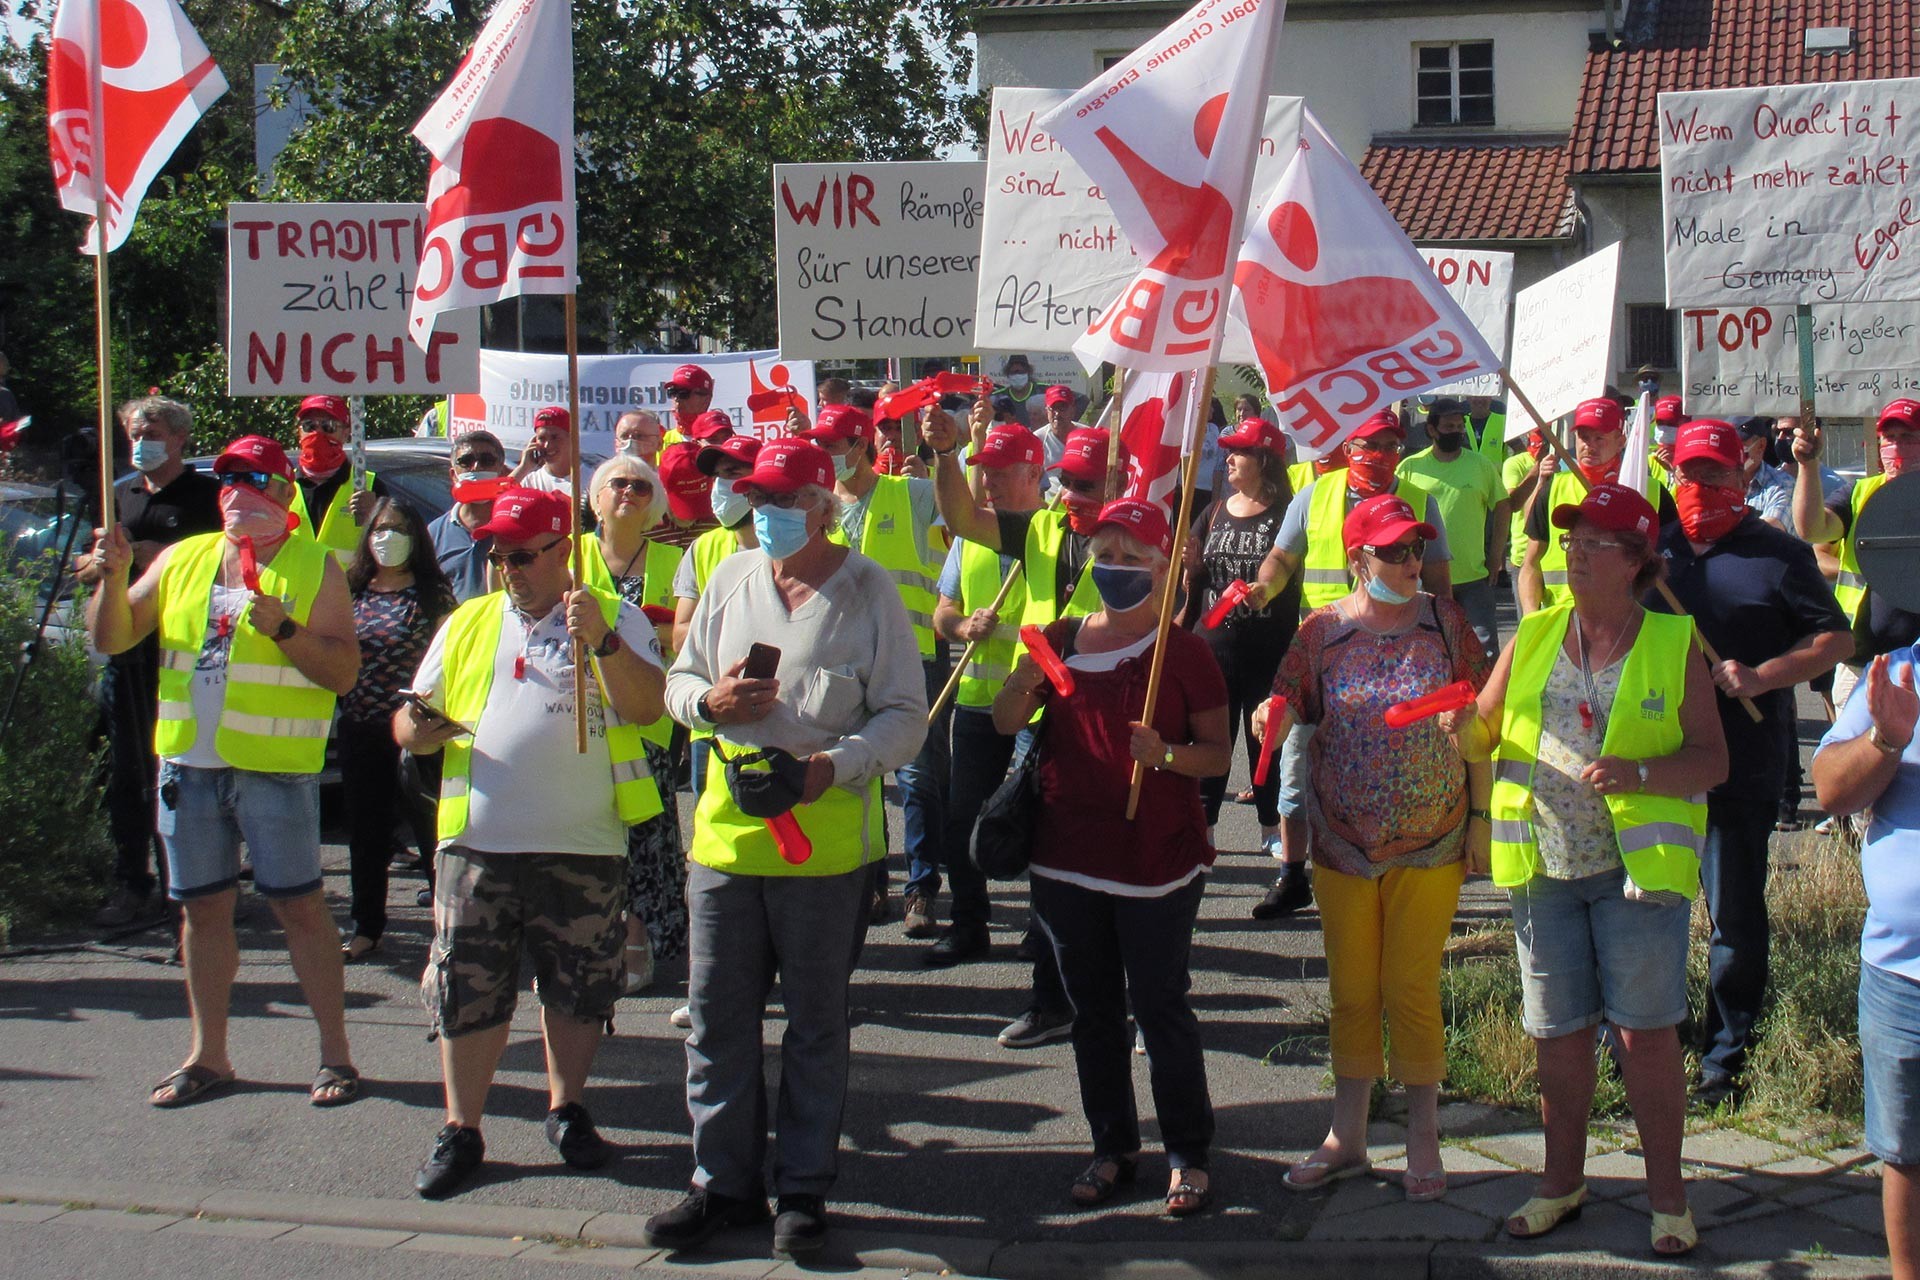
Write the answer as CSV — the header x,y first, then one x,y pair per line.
x,y
1059,395
521,515
553,416
689,494
1085,457
1008,444
334,407
839,422
1379,424
1712,439
1612,507
692,377
785,466
707,425
1144,520
732,449
1381,521
1905,412
254,453
1254,433
1668,412
1600,414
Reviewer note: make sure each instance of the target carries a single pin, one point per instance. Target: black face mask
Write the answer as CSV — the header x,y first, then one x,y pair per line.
x,y
768,792
1450,441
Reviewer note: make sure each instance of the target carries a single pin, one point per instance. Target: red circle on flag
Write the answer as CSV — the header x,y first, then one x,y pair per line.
x,y
1292,228
123,33
1206,123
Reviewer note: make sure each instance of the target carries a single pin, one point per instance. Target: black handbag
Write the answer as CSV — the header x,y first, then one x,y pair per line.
x,y
1002,844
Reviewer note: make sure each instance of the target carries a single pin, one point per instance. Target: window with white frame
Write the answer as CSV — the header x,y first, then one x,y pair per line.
x,y
1453,83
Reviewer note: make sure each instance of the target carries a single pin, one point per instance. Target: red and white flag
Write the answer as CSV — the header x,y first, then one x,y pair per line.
x,y
1156,431
1168,134
1345,315
126,80
500,209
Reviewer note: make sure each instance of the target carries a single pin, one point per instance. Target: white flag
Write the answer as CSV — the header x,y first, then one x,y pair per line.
x,y
1633,463
1156,431
500,202
1168,134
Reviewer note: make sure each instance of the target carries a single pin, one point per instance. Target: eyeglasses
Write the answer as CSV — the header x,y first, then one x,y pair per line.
x,y
1588,546
252,479
621,484
1398,552
323,424
1378,444
765,498
679,393
477,460
519,559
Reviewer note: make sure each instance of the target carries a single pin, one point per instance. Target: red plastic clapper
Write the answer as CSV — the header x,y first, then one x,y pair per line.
x,y
1236,591
249,566
789,839
1270,740
1454,696
1036,642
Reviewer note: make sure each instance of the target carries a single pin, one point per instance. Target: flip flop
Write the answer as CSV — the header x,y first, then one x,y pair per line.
x,y
334,1086
1422,1187
1314,1174
188,1084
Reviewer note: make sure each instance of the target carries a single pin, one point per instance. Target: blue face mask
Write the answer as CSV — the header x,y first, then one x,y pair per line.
x,y
1122,586
149,455
729,508
781,530
1385,594
843,467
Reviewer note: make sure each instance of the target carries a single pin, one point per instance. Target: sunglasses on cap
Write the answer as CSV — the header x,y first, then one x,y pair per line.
x,y
1398,552
621,484
477,460
519,559
252,479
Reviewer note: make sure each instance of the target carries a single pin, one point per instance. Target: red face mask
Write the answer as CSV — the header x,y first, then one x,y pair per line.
x,y
1894,456
1536,444
1371,473
320,454
1605,473
1708,512
1082,517
485,489
889,463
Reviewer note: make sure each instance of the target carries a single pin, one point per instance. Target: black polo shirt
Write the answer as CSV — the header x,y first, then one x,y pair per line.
x,y
189,504
1755,594
1074,552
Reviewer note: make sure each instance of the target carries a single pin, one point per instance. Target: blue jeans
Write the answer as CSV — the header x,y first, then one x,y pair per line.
x,y
923,788
1588,954
1477,599
1733,876
1890,1053
205,814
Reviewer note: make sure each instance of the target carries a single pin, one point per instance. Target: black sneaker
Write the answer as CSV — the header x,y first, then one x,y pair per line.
x,y
1292,891
1036,1027
1712,1092
956,946
457,1152
570,1130
698,1217
799,1227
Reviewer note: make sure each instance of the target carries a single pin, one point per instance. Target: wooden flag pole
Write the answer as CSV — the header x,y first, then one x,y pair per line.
x,y
1189,472
1573,467
966,655
1115,407
577,571
103,345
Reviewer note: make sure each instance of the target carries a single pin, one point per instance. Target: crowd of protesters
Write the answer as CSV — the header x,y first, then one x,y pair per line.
x,y
788,612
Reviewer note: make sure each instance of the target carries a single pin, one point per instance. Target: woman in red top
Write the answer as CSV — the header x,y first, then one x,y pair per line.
x,y
1117,899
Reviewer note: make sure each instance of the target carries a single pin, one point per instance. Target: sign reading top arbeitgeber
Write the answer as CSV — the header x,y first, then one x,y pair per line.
x,y
1792,193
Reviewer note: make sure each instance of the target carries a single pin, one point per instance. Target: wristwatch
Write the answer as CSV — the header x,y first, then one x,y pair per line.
x,y
285,630
1166,761
703,712
1881,745
609,646
1642,767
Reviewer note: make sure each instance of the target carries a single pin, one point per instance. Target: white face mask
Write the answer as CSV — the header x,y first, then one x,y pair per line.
x,y
391,548
1019,381
729,508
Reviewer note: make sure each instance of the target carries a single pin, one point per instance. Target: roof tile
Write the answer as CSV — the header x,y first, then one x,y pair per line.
x,y
1474,190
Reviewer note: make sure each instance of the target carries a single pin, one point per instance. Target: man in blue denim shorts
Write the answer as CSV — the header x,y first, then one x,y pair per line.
x,y
256,642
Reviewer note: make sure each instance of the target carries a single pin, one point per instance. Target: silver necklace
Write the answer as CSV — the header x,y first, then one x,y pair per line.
x,y
1590,715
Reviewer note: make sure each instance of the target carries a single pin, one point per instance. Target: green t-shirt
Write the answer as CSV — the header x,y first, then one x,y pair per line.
x,y
1467,489
1512,472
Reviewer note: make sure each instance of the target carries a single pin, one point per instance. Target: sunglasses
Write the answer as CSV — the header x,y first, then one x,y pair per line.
x,y
680,393
1398,552
762,498
1588,546
471,460
622,484
252,479
519,559
1378,444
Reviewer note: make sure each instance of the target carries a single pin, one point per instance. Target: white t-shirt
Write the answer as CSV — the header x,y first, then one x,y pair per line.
x,y
546,482
210,677
530,790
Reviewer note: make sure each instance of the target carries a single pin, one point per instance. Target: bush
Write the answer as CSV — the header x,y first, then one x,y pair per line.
x,y
54,850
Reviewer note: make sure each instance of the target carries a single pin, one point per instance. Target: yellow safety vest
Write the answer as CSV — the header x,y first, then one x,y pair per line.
x,y
846,829
1850,588
1659,836
708,550
1492,443
1323,574
1568,490
658,564
993,658
472,649
887,538
1046,539
1299,475
338,533
272,718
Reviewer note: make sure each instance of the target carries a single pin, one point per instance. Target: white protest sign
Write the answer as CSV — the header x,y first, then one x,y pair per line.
x,y
1562,337
317,299
1051,255
1791,193
1482,283
877,259
514,385
1747,359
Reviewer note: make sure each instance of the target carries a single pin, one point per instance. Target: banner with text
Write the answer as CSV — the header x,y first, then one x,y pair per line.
x,y
877,259
516,384
317,298
1482,283
1562,338
1051,255
1791,193
1747,359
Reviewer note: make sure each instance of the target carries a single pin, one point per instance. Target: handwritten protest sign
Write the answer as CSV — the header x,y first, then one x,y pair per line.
x,y
1746,359
515,384
1791,194
1051,255
1562,337
317,299
1482,283
877,259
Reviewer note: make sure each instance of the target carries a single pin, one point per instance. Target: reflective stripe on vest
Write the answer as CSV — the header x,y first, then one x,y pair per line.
x,y
887,537
338,533
658,563
273,719
1850,588
993,658
1568,491
1659,836
1323,573
472,646
1046,539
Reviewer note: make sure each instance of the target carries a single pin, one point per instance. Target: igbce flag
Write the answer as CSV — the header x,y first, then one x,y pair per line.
x,y
126,80
1168,134
1157,414
500,207
1345,316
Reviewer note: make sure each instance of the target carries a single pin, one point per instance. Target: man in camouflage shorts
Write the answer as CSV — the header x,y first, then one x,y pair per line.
x,y
533,835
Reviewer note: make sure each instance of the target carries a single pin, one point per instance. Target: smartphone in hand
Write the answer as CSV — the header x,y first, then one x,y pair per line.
x,y
762,661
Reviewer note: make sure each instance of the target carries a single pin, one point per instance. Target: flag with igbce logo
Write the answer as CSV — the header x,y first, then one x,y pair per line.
x,y
1169,135
501,219
126,81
